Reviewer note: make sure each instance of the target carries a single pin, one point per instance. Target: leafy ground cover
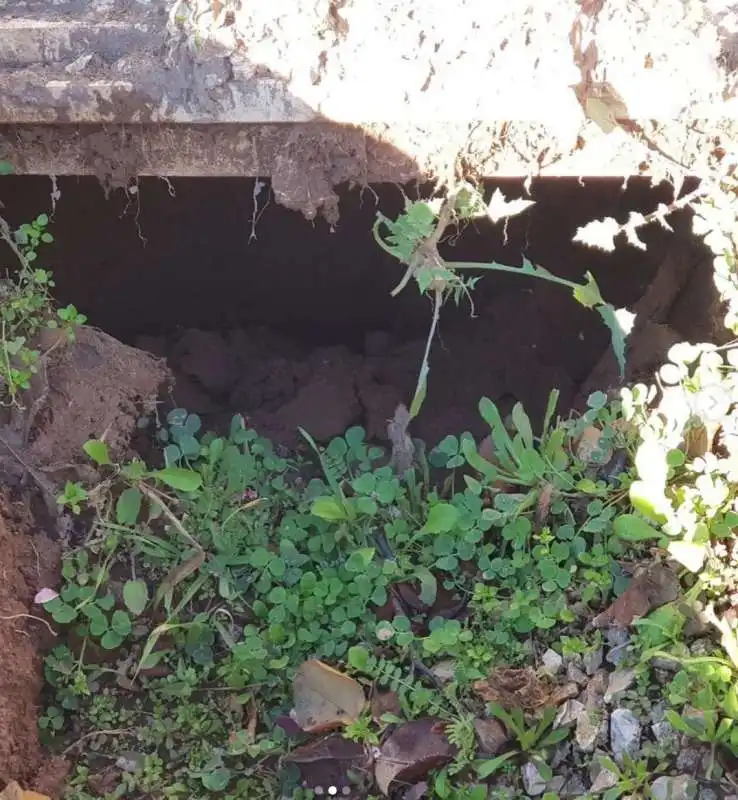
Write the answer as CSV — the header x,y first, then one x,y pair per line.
x,y
548,612
244,624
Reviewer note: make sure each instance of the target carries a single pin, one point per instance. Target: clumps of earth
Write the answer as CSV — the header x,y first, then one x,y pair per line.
x,y
280,385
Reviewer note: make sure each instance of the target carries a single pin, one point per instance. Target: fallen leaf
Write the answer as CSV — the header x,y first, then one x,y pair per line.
x,y
385,703
325,698
411,752
14,792
650,588
331,761
180,573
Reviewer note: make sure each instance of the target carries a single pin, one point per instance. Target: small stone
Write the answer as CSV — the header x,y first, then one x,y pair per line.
x,y
669,665
681,787
492,735
560,754
589,730
689,759
625,733
601,777
664,733
555,784
616,654
574,787
594,692
552,662
619,682
658,712
707,794
575,675
593,661
569,713
616,637
532,780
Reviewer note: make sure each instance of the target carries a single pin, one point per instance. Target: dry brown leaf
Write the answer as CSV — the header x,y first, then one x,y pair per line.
x,y
180,573
330,761
603,105
14,792
652,587
411,752
325,698
385,703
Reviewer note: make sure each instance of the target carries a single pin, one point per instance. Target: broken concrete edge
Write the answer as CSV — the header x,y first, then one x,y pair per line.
x,y
369,154
213,93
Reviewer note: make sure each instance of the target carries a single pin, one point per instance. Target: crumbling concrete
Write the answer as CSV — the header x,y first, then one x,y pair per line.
x,y
123,88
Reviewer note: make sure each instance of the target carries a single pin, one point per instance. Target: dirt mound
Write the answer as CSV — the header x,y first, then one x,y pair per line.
x,y
95,387
29,560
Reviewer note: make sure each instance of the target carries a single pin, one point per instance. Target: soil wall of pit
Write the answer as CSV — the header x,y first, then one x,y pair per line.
x,y
287,295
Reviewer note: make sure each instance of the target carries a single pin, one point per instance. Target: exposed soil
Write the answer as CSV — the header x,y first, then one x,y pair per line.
x,y
29,560
338,351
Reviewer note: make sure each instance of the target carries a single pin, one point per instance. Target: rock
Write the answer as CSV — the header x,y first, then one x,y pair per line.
x,y
594,692
569,713
619,641
689,758
669,665
619,682
657,712
625,733
707,794
560,754
664,733
555,784
552,662
574,787
574,674
589,730
444,670
601,777
492,736
593,661
616,637
681,787
532,780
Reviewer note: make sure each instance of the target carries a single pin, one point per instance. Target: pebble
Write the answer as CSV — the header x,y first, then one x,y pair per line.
x,y
689,759
601,777
680,787
664,733
532,780
619,682
560,754
555,784
707,794
665,664
574,787
625,733
593,661
589,730
552,662
616,654
616,637
569,713
575,675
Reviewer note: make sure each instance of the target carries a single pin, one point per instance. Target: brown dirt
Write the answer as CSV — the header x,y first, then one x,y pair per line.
x,y
29,560
94,388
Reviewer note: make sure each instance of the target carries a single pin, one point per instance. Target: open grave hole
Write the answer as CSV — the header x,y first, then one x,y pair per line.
x,y
291,323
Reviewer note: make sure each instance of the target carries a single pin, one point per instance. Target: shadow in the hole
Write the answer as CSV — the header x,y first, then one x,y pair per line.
x,y
219,254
